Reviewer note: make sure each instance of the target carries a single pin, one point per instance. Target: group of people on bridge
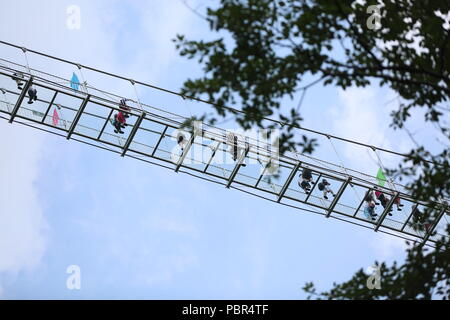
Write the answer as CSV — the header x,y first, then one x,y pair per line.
x,y
119,120
372,198
305,181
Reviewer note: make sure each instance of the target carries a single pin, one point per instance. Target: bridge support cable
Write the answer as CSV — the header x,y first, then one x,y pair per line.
x,y
19,101
24,50
358,198
390,182
380,163
338,196
133,83
78,116
84,84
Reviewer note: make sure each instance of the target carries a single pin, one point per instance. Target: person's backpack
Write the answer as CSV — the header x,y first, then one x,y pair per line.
x,y
321,186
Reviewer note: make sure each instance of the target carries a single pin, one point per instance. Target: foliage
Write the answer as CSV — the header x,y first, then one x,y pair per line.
x,y
274,46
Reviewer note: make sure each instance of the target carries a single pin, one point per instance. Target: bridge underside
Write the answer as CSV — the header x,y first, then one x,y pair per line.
x,y
151,136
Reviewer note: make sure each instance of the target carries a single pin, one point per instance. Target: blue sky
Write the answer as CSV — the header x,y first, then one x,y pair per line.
x,y
139,231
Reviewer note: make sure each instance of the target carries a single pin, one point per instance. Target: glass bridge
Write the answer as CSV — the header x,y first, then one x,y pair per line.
x,y
85,115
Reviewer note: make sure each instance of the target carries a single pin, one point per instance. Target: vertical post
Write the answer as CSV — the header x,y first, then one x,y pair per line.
x,y
49,107
288,181
385,212
20,99
186,150
159,141
263,172
338,196
438,218
132,134
361,203
237,167
78,116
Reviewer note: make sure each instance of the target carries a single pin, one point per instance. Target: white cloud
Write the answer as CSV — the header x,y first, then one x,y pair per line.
x,y
257,259
387,247
22,223
362,114
358,116
164,270
158,33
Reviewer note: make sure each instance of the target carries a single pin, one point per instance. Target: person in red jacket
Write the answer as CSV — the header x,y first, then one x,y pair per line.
x,y
121,118
398,204
385,200
119,122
